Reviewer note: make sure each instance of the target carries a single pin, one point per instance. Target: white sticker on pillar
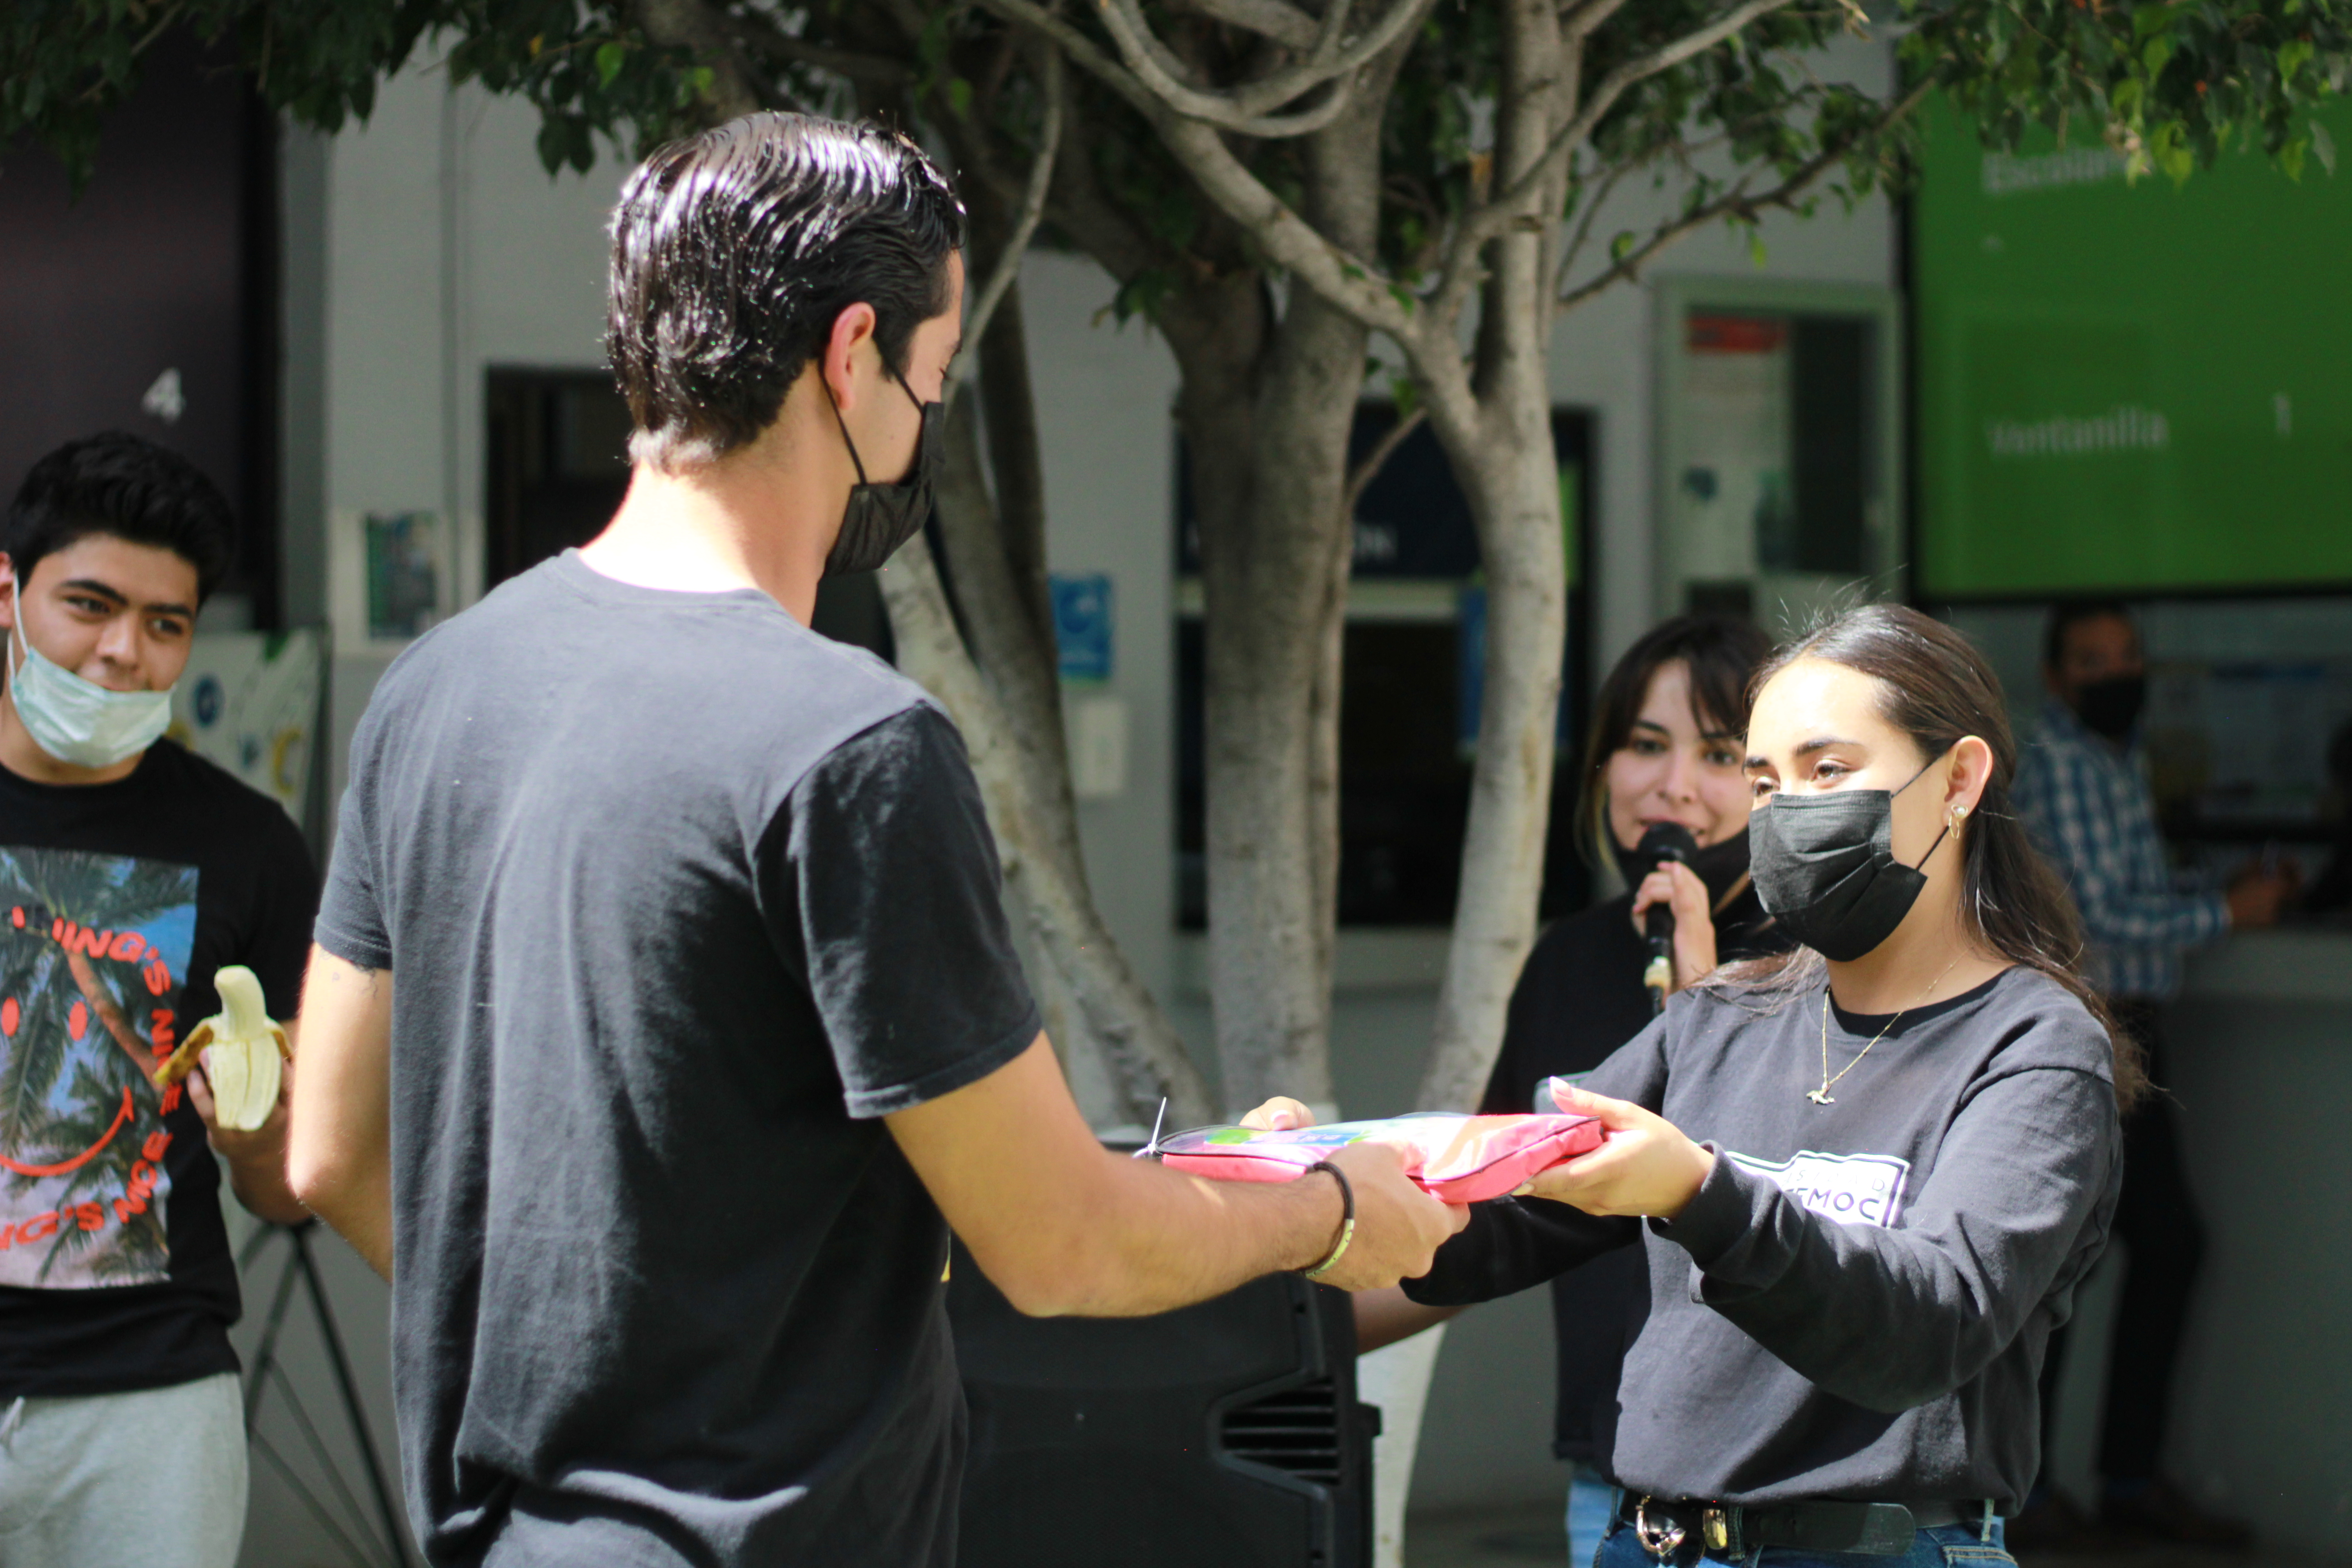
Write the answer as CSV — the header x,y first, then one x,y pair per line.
x,y
1851,1189
1097,727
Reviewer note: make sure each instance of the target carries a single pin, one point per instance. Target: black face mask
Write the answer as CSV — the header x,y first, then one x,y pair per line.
x,y
880,518
2111,707
1824,866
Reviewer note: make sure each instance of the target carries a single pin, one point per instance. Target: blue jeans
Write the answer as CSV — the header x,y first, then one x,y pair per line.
x,y
1591,1503
1944,1546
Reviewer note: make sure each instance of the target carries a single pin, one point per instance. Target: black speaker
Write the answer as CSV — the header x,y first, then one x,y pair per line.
x,y
1225,1435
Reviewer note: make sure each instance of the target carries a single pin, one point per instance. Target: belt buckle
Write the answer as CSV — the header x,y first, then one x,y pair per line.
x,y
1660,1541
1715,1525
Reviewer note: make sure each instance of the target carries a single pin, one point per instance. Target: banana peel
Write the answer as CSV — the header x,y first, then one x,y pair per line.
x,y
243,1050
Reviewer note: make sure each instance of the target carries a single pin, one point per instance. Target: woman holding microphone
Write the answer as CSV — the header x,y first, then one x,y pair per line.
x,y
1866,1177
1665,753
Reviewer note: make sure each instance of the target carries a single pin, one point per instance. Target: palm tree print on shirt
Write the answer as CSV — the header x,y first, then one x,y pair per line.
x,y
92,954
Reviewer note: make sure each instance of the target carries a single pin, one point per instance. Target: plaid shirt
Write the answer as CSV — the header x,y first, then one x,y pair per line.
x,y
2088,807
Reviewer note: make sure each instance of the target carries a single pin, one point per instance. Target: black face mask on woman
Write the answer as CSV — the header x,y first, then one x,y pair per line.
x,y
1825,869
880,518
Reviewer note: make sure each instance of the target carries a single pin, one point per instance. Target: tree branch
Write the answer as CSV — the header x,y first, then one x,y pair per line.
x,y
1024,225
1361,477
1739,204
1276,19
1581,18
1495,216
1601,199
696,28
1244,110
761,33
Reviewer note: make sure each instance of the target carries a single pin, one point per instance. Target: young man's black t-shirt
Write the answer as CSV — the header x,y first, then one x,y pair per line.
x,y
118,903
679,899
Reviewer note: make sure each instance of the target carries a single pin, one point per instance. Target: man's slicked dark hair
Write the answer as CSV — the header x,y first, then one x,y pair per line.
x,y
120,484
734,251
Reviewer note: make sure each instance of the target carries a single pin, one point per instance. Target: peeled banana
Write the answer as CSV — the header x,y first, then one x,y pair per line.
x,y
243,1049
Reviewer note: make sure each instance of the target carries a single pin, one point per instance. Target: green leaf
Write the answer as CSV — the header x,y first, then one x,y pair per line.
x,y
2292,57
611,56
960,96
1622,244
553,143
1405,392
1756,247
2170,150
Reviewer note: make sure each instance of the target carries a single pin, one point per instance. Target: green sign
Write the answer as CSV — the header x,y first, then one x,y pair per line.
x,y
2129,385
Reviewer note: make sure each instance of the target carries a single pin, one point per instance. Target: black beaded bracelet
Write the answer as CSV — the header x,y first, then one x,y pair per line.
x,y
1347,1221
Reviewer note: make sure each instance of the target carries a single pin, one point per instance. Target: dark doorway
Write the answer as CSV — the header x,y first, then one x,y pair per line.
x,y
1410,662
148,304
556,465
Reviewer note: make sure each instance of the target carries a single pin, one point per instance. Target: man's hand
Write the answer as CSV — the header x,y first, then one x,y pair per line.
x,y
1398,1227
1646,1167
1680,889
256,1159
1066,1227
2257,893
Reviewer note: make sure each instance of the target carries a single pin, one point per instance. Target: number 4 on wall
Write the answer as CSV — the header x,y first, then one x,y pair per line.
x,y
164,400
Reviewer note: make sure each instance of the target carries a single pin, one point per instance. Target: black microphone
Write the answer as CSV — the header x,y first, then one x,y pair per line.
x,y
1662,841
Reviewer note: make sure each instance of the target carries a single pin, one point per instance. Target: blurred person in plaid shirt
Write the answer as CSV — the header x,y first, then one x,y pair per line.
x,y
2083,790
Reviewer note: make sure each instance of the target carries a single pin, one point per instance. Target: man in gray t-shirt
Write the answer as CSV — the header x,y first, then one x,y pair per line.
x,y
662,1018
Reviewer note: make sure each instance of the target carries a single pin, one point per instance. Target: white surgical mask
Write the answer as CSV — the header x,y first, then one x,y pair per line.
x,y
80,721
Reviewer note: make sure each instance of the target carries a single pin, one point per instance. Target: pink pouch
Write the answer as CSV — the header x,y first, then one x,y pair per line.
x,y
1460,1159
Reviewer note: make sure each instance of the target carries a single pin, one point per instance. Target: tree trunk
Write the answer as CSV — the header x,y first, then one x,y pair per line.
x,y
1274,586
1502,452
1145,1055
1266,574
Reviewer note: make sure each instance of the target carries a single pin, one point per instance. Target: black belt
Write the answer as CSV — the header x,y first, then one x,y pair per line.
x,y
1683,1529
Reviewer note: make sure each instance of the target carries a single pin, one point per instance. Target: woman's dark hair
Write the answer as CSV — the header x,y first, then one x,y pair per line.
x,y
1720,653
1938,689
120,484
734,251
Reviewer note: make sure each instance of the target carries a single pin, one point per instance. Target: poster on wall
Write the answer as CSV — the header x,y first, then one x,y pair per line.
x,y
404,574
1733,506
2117,392
249,702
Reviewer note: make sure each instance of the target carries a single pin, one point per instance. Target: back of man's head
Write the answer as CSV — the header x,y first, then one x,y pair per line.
x,y
118,484
733,253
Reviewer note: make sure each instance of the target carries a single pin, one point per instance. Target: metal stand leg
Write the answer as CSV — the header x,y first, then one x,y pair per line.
x,y
302,1269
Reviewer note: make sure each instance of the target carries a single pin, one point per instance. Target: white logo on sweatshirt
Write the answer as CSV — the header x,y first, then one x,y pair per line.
x,y
1851,1189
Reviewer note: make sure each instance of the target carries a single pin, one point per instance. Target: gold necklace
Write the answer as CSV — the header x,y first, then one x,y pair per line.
x,y
1821,1096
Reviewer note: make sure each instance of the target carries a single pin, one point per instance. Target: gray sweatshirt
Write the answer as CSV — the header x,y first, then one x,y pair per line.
x,y
1857,1303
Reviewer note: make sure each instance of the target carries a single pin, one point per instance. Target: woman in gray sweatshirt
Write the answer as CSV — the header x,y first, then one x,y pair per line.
x,y
1868,1175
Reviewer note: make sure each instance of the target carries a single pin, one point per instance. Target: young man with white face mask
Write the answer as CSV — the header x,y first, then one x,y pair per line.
x,y
130,872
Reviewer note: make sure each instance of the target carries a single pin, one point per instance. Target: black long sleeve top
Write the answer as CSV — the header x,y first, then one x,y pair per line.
x,y
1578,998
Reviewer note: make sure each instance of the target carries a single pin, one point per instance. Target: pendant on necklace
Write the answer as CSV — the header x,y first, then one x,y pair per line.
x,y
1819,1097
